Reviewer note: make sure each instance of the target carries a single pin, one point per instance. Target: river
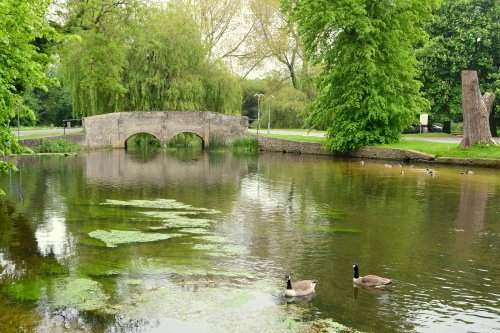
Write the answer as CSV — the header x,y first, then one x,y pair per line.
x,y
191,241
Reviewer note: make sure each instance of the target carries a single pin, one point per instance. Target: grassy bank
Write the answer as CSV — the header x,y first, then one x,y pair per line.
x,y
438,149
441,149
56,146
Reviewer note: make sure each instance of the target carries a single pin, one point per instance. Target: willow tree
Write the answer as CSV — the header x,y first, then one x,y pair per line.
x,y
152,60
93,62
367,92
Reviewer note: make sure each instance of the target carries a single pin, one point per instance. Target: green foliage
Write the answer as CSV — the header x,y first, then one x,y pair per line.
x,y
185,140
22,62
144,59
50,107
286,108
367,92
56,146
143,140
246,144
463,35
287,104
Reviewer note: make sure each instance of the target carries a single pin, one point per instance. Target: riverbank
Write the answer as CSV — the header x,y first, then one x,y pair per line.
x,y
402,155
316,148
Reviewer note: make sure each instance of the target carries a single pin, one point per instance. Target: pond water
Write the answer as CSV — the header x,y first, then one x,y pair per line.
x,y
189,241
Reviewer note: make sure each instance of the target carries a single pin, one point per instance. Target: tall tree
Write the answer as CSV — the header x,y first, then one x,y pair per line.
x,y
464,35
22,63
93,63
223,25
152,58
367,93
276,37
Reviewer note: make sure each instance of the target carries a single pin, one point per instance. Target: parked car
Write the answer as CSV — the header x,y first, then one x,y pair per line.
x,y
434,128
412,130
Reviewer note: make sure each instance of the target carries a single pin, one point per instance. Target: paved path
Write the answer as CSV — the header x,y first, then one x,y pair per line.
x,y
59,131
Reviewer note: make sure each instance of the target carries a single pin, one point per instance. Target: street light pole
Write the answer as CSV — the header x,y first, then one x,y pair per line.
x,y
259,96
18,125
269,115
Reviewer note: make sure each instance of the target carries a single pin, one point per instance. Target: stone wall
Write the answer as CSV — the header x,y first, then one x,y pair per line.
x,y
75,138
288,146
112,130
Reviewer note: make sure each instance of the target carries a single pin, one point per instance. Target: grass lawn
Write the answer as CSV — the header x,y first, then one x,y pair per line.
x,y
429,135
39,136
301,138
438,149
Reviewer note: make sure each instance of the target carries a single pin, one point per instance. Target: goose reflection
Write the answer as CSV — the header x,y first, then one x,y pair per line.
x,y
369,290
299,299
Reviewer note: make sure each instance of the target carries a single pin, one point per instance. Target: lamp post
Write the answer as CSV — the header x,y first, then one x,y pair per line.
x,y
259,96
269,115
18,125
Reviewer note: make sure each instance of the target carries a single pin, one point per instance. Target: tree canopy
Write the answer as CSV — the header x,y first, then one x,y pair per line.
x,y
367,92
23,62
154,59
464,35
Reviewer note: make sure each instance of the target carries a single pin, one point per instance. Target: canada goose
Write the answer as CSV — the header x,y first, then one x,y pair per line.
x,y
299,288
467,172
369,280
401,172
431,172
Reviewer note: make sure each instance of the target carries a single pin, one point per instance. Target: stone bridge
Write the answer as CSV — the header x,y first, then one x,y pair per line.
x,y
112,130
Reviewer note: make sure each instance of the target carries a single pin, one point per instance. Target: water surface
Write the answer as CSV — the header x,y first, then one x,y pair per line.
x,y
113,241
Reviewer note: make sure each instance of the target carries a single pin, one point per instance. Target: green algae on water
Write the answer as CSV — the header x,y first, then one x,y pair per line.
x,y
114,238
26,289
221,250
83,294
196,231
182,223
158,204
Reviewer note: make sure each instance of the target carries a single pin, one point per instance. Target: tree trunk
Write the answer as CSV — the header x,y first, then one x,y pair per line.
x,y
447,126
490,105
475,112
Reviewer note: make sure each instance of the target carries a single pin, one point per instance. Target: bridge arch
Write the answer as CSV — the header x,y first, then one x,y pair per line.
x,y
188,132
114,129
126,143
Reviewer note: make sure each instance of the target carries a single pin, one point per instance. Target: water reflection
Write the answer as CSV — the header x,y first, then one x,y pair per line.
x,y
313,216
53,237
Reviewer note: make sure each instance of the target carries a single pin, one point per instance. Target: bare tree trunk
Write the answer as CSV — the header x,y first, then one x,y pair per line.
x,y
475,111
489,100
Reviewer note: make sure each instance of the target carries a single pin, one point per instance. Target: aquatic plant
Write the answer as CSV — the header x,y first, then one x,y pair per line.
x,y
197,231
113,238
246,144
159,204
56,146
182,223
81,293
